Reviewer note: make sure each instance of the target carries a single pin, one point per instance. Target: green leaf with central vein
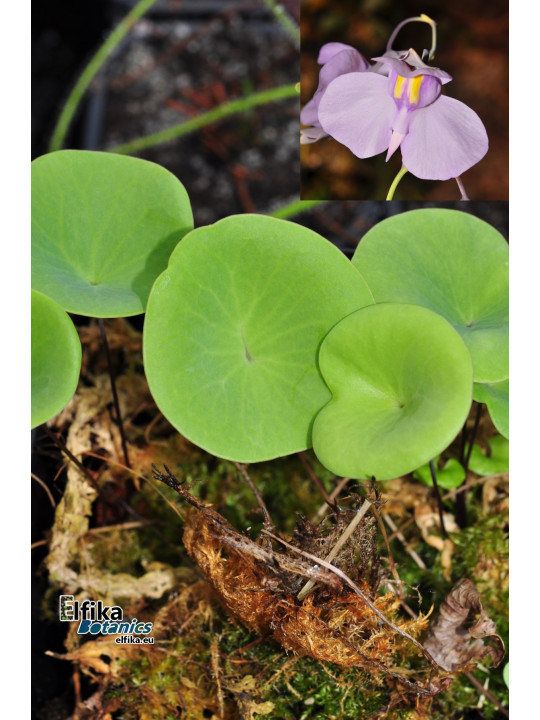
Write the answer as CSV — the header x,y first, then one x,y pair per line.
x,y
232,332
450,262
103,228
401,382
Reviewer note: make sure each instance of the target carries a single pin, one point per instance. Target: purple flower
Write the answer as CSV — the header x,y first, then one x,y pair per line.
x,y
439,137
336,59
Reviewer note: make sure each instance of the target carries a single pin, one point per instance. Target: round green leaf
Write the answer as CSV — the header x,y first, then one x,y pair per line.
x,y
103,228
496,462
450,262
496,397
232,332
401,382
450,476
56,358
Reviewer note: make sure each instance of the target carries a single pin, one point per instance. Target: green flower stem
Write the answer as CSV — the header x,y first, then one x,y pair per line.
x,y
90,71
294,208
282,17
207,118
394,185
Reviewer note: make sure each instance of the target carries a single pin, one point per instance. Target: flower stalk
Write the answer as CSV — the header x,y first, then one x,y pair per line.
x,y
395,183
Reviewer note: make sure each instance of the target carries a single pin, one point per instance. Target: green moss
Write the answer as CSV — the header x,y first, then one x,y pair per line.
x,y
317,692
299,688
127,555
284,484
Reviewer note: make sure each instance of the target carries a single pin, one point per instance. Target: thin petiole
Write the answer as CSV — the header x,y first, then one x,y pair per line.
x,y
113,390
461,506
463,444
315,479
438,496
268,524
474,433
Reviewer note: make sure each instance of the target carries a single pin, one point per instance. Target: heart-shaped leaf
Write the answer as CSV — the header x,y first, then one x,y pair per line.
x,y
496,397
56,358
232,331
401,382
450,262
103,228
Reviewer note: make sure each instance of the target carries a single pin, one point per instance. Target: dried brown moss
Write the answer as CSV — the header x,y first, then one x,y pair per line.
x,y
346,623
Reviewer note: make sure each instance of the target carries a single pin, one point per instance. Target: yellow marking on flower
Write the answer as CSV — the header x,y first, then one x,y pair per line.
x,y
414,89
399,86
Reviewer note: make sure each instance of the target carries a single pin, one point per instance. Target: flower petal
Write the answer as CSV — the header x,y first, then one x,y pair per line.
x,y
444,140
328,51
346,61
311,135
343,61
357,110
309,114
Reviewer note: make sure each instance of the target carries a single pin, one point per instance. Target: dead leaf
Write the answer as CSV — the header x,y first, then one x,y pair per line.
x,y
402,495
495,499
90,655
456,639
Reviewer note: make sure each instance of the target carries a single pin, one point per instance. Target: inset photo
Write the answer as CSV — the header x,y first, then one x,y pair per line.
x,y
404,102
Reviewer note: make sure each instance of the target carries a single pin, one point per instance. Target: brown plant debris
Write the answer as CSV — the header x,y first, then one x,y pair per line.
x,y
495,495
456,639
69,561
428,521
343,621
